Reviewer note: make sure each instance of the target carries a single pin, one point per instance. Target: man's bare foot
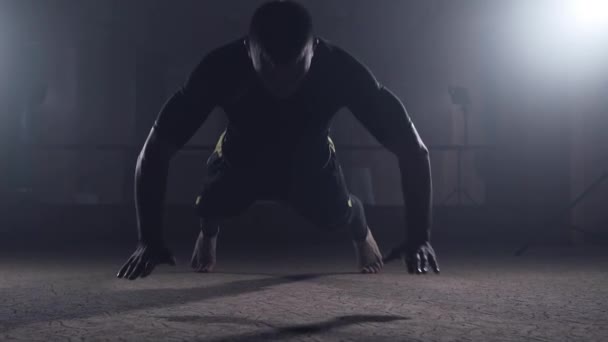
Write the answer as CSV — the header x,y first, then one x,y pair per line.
x,y
203,258
369,258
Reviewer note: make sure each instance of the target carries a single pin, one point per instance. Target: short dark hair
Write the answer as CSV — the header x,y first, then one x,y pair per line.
x,y
282,28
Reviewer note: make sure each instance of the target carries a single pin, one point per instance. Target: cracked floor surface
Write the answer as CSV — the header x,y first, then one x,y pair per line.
x,y
305,293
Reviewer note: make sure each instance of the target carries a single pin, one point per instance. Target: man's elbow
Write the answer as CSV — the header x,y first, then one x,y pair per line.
x,y
155,151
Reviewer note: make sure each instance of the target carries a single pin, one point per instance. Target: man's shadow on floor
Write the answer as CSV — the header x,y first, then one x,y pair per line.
x,y
281,333
117,302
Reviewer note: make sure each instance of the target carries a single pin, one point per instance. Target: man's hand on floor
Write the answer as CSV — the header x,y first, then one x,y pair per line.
x,y
144,259
417,257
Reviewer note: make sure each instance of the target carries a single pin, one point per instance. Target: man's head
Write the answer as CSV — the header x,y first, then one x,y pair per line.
x,y
281,45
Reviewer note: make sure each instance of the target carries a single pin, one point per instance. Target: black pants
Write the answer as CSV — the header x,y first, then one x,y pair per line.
x,y
319,194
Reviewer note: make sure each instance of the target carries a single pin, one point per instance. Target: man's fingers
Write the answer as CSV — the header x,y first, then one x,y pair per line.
x,y
123,269
433,261
131,267
417,263
137,270
423,262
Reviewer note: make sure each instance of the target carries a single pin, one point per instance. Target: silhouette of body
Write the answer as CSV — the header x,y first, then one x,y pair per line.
x,y
276,146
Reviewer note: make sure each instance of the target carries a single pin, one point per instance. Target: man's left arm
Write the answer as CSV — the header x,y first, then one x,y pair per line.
x,y
385,117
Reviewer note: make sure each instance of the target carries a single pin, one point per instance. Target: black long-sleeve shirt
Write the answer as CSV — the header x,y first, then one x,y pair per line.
x,y
264,131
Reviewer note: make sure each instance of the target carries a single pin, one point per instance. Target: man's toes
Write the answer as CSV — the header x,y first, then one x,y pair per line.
x,y
370,269
201,269
205,268
375,268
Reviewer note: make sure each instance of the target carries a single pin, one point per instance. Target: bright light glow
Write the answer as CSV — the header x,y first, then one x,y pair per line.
x,y
587,16
557,40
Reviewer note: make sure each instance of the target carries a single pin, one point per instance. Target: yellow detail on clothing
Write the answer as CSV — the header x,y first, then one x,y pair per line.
x,y
331,144
219,145
350,202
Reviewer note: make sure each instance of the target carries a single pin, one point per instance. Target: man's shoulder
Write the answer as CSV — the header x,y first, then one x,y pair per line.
x,y
332,50
338,59
220,66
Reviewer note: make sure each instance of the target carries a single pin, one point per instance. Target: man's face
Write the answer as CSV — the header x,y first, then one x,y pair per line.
x,y
281,80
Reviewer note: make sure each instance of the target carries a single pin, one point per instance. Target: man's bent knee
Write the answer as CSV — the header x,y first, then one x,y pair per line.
x,y
352,220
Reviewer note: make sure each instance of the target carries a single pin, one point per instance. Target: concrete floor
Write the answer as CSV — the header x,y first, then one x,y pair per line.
x,y
304,292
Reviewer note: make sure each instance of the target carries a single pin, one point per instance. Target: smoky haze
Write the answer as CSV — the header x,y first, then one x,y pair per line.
x,y
522,162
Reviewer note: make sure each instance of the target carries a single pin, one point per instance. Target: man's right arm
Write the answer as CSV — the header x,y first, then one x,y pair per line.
x,y
179,119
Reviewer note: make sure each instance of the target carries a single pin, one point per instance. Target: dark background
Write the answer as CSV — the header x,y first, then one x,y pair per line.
x,y
81,83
